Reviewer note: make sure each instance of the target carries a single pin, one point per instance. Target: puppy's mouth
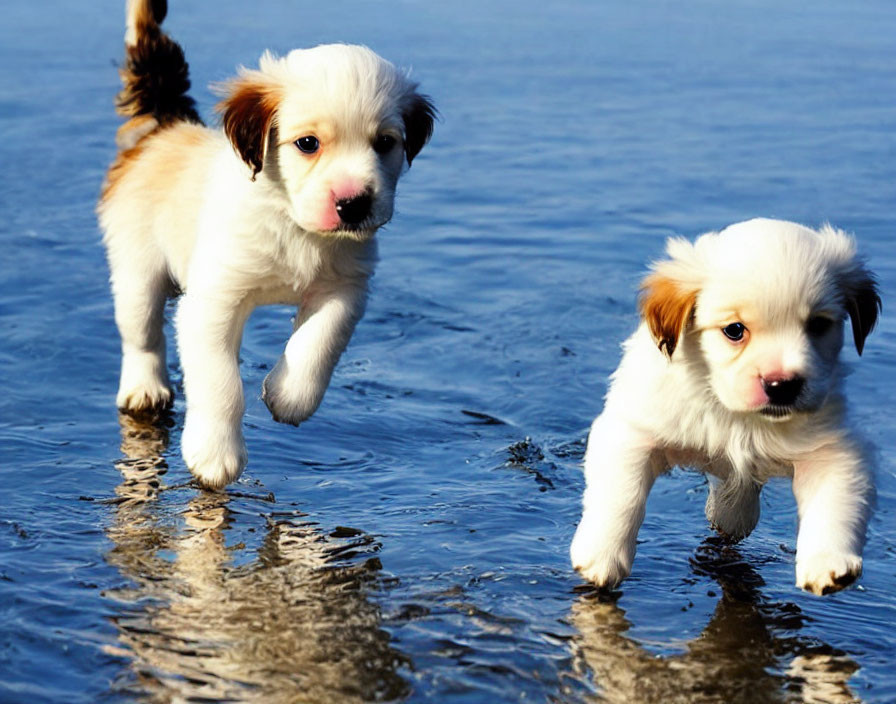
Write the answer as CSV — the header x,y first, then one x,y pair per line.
x,y
776,412
805,405
358,231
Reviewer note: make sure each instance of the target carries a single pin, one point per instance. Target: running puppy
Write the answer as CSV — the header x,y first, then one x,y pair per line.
x,y
734,370
281,206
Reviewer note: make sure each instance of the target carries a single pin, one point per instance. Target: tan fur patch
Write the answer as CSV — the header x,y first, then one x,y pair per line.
x,y
143,15
666,307
164,152
124,162
135,129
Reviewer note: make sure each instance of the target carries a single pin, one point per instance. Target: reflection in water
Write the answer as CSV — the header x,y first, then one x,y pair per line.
x,y
737,658
292,625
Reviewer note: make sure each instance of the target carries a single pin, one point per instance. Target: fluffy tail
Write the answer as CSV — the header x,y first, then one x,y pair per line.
x,y
155,75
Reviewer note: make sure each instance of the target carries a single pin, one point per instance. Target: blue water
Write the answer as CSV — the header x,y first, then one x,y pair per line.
x,y
410,541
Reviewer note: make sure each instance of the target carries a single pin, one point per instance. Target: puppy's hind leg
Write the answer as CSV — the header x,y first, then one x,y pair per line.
x,y
140,287
732,506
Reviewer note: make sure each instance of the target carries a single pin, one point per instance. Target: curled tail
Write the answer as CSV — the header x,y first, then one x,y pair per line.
x,y
155,76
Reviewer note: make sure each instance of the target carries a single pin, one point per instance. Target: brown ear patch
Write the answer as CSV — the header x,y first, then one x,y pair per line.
x,y
667,307
248,114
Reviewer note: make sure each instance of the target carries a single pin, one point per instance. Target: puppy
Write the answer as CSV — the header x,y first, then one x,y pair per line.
x,y
734,371
281,206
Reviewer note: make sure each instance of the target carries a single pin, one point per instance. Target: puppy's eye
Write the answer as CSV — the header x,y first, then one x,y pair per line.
x,y
384,144
818,325
308,144
734,331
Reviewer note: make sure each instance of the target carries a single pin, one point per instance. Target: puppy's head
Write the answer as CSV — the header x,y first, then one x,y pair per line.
x,y
759,309
330,128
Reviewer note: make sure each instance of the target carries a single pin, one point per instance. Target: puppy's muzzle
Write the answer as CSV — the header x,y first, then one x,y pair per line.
x,y
355,210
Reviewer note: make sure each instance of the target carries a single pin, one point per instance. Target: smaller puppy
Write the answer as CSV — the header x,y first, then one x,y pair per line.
x,y
735,371
281,206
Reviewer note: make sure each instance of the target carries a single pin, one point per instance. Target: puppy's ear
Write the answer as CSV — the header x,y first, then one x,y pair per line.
x,y
669,294
666,305
863,305
419,117
248,110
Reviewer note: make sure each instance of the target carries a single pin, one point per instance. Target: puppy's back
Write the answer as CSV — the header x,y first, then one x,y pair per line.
x,y
154,192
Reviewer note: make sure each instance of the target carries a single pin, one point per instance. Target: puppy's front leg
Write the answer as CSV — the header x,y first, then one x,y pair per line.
x,y
834,493
296,385
209,331
620,468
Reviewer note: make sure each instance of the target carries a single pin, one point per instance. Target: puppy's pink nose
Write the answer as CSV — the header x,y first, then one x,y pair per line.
x,y
781,390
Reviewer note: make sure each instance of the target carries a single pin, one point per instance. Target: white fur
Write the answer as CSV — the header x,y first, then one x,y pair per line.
x,y
188,215
702,407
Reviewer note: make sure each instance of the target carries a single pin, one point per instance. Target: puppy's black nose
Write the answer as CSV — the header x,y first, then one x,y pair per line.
x,y
783,392
354,210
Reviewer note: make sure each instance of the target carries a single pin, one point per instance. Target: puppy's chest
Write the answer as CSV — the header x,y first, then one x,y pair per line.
x,y
758,467
273,292
293,273
290,286
280,284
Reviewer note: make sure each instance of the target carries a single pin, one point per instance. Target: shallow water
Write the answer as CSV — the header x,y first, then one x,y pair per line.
x,y
410,541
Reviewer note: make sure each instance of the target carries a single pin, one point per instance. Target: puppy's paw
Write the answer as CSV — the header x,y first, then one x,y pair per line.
x,y
143,398
290,398
827,572
144,386
602,566
215,452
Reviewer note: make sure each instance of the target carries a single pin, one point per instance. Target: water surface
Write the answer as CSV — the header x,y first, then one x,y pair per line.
x,y
409,542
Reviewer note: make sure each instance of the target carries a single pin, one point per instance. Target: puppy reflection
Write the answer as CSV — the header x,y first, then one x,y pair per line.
x,y
747,653
291,624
